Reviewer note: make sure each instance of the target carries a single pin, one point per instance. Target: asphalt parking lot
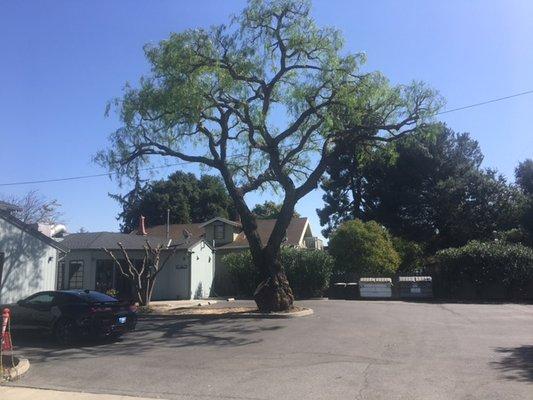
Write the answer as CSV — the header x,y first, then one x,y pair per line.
x,y
346,350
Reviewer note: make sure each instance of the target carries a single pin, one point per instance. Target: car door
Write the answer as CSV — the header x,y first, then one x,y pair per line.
x,y
21,316
39,316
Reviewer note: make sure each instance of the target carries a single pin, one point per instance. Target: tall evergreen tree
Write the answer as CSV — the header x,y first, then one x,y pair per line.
x,y
428,188
188,199
524,179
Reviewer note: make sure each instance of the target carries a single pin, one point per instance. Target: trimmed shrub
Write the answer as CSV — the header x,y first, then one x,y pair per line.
x,y
243,272
486,270
363,249
308,271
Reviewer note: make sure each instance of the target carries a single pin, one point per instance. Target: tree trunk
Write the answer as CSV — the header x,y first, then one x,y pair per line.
x,y
274,293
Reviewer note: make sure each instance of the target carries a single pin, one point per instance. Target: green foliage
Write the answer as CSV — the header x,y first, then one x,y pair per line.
x,y
112,293
486,269
515,235
526,218
242,271
427,188
363,249
308,271
213,96
269,210
524,176
188,198
411,256
524,180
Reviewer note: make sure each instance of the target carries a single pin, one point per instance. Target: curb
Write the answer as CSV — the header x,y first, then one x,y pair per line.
x,y
296,314
20,369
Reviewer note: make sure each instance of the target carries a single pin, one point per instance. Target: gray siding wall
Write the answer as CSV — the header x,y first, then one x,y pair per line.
x,y
171,283
202,271
30,265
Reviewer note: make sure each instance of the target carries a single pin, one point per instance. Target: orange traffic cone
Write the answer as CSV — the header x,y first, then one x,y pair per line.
x,y
6,336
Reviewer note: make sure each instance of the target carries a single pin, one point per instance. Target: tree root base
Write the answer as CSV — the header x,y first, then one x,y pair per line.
x,y
274,295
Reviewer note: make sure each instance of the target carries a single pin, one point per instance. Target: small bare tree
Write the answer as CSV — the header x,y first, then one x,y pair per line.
x,y
35,208
142,275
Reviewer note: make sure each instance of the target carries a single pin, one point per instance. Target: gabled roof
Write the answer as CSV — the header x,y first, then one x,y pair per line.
x,y
6,216
295,233
220,219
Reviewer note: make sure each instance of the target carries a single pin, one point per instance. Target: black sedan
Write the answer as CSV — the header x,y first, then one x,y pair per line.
x,y
70,314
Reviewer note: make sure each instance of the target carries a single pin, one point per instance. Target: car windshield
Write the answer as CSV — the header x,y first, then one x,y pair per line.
x,y
96,297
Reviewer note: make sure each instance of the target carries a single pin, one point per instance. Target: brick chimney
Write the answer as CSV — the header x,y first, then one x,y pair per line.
x,y
141,230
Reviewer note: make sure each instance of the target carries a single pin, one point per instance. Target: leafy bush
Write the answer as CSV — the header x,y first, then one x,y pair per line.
x,y
363,249
486,270
411,256
515,235
243,272
308,271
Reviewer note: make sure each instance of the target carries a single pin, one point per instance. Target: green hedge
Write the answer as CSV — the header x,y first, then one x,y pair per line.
x,y
308,271
486,270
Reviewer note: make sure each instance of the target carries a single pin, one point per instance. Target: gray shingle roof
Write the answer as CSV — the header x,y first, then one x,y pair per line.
x,y
110,240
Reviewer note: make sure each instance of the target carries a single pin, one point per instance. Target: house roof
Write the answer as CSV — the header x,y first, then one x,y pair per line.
x,y
7,216
226,221
176,231
110,240
295,231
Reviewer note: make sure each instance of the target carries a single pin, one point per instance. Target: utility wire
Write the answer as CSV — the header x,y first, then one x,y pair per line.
x,y
484,102
73,178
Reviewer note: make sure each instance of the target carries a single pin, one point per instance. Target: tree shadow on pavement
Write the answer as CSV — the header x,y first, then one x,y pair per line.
x,y
516,363
152,332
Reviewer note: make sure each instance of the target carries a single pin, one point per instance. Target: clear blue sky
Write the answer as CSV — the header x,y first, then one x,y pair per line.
x,y
61,61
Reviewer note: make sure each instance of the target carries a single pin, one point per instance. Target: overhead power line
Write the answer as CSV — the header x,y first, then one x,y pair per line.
x,y
74,178
485,102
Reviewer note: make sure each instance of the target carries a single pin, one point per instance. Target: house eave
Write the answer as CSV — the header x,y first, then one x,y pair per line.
x,y
32,231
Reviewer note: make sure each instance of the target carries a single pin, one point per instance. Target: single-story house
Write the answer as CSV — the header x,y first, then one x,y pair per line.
x,y
28,258
228,237
187,274
196,270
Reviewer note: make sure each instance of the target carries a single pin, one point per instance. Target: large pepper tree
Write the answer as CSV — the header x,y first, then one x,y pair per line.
x,y
262,100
